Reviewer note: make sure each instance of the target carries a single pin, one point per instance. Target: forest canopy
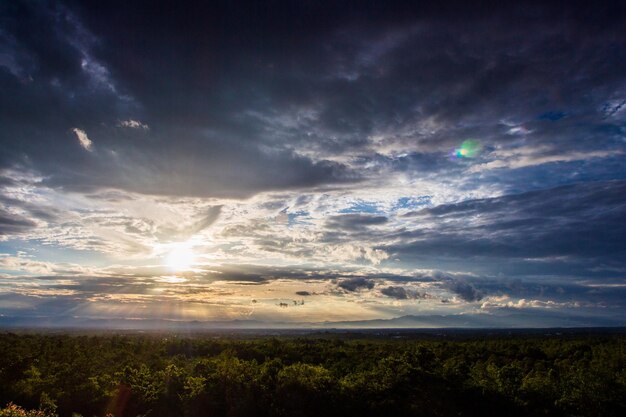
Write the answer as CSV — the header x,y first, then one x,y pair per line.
x,y
322,375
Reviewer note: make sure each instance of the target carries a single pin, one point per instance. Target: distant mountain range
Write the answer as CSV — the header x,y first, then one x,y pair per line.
x,y
462,321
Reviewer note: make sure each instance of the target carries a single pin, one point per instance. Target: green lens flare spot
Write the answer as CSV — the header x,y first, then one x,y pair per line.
x,y
468,149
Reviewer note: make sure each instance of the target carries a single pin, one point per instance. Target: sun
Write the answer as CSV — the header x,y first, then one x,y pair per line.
x,y
181,257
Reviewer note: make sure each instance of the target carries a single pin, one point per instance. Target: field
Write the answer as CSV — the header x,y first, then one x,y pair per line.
x,y
314,374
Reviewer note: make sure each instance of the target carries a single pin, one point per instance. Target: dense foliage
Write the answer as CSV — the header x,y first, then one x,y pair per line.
x,y
311,376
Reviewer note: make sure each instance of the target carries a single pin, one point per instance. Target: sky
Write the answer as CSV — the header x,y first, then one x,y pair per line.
x,y
312,163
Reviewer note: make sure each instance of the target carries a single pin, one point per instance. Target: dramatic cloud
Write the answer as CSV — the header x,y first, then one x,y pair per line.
x,y
352,222
402,293
464,290
457,164
575,221
355,284
11,224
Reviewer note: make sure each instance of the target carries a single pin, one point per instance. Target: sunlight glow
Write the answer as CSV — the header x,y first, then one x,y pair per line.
x,y
181,257
172,279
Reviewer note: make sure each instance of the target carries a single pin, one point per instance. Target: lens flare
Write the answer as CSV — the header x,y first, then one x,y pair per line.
x,y
468,149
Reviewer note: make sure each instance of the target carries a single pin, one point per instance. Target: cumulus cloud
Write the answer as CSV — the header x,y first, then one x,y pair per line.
x,y
83,139
465,290
133,124
402,293
356,284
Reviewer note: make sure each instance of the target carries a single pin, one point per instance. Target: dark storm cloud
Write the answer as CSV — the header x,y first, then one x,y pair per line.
x,y
582,221
12,224
401,293
464,290
602,291
355,222
226,86
65,87
356,284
